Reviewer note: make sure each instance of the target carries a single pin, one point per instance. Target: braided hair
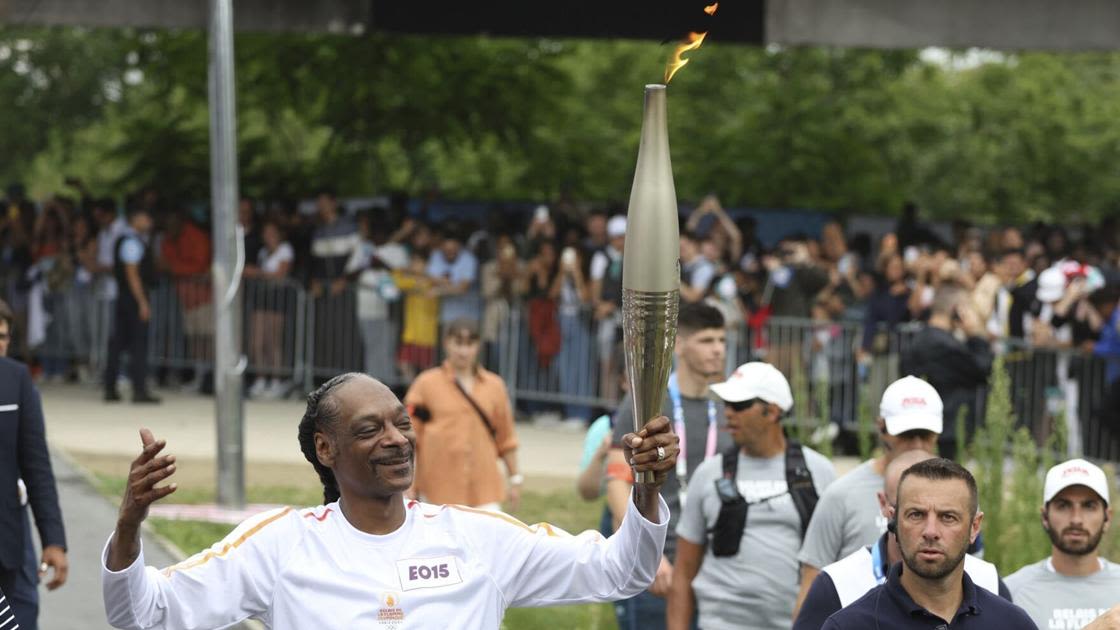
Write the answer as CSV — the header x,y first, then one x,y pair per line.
x,y
323,410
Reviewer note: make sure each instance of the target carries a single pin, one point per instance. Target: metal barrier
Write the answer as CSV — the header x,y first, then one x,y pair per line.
x,y
553,358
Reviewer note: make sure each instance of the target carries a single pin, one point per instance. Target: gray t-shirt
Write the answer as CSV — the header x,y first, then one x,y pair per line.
x,y
755,589
1062,602
695,412
847,518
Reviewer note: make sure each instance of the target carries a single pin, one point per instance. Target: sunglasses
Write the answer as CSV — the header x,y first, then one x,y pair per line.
x,y
742,405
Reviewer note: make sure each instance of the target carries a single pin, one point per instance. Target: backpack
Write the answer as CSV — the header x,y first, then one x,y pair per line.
x,y
727,533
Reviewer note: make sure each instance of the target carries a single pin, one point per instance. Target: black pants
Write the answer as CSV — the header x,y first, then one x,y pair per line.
x,y
130,334
21,586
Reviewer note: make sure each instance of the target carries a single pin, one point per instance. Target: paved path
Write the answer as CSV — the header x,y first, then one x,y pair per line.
x,y
79,423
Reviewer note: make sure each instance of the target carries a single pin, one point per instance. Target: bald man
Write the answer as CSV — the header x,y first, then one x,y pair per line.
x,y
843,582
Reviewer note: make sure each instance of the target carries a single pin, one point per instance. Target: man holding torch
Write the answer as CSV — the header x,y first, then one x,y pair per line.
x,y
368,557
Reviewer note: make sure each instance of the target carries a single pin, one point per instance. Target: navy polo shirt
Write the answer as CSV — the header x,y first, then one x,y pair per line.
x,y
823,598
889,607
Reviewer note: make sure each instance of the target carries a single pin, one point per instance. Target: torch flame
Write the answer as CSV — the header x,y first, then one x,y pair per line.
x,y
676,62
711,8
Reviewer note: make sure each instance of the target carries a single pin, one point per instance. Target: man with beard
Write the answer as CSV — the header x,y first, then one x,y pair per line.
x,y
1074,585
936,517
369,558
842,583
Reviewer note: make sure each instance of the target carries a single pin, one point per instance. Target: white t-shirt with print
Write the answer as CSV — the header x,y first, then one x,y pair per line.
x,y
446,567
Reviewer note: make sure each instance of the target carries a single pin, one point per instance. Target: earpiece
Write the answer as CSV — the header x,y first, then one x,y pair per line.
x,y
892,526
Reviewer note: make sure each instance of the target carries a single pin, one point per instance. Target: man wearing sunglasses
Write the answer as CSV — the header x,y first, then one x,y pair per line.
x,y
848,516
746,514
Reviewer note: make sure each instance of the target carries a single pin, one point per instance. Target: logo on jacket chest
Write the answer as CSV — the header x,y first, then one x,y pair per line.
x,y
417,573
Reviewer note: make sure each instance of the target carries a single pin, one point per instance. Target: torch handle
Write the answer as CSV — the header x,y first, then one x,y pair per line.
x,y
649,326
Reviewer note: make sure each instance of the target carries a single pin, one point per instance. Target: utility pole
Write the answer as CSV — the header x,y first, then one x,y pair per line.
x,y
229,259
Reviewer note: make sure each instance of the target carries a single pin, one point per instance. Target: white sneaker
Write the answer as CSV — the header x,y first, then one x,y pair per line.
x,y
258,387
277,389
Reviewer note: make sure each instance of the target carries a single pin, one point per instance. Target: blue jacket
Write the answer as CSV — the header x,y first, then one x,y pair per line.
x,y
889,607
23,453
1108,347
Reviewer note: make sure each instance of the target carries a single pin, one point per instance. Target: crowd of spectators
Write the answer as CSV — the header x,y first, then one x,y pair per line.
x,y
382,280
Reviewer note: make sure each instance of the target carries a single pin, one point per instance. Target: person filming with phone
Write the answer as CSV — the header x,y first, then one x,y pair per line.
x,y
955,368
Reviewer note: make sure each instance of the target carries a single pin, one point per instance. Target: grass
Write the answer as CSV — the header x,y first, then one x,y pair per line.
x,y
561,508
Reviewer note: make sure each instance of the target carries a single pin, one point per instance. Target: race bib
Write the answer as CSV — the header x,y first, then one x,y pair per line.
x,y
417,573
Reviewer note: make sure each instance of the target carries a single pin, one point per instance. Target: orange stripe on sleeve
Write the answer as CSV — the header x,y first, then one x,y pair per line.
x,y
209,555
547,527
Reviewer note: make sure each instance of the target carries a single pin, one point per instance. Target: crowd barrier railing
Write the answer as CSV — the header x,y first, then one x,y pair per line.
x,y
559,358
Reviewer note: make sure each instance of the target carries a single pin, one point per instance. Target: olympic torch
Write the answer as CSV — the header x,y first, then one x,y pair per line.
x,y
651,268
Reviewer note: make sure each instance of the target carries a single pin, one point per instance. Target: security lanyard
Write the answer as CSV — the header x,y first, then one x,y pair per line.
x,y
679,429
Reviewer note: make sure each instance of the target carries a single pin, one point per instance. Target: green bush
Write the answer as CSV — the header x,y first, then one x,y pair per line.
x,y
865,433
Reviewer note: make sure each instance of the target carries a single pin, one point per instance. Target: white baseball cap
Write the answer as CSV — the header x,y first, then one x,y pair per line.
x,y
1051,285
909,404
756,380
1075,472
616,226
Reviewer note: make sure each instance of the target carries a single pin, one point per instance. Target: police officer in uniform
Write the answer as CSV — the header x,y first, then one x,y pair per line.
x,y
135,271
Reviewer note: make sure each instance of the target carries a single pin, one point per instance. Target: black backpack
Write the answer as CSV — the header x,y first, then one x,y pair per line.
x,y
727,533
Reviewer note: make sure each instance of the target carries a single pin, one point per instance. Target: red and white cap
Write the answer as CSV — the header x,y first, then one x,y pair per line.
x,y
910,404
1075,472
756,380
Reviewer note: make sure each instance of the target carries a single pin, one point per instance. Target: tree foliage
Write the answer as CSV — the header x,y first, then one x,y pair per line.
x,y
1017,137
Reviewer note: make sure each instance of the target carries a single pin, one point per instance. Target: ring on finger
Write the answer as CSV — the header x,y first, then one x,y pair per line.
x,y
661,453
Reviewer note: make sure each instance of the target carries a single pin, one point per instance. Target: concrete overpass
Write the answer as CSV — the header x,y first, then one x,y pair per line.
x,y
1002,24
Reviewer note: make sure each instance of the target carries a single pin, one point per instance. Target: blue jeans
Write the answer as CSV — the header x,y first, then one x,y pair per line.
x,y
576,364
379,341
21,585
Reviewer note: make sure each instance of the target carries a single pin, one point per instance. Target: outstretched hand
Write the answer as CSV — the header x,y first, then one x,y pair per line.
x,y
147,470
